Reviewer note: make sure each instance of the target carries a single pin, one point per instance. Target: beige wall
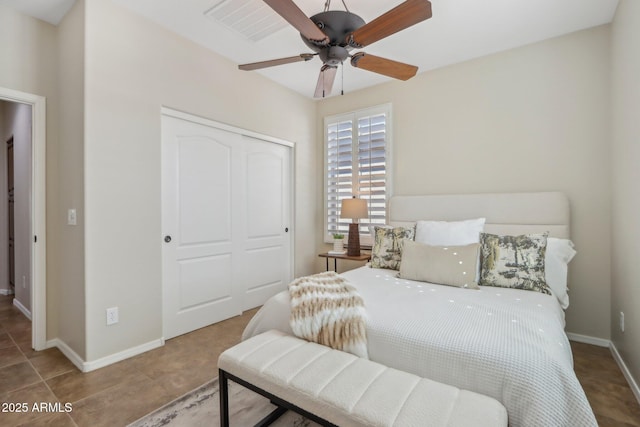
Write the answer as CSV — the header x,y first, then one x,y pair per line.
x,y
133,68
28,47
626,176
534,118
69,301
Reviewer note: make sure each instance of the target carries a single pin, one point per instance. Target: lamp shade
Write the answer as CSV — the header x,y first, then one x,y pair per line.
x,y
354,209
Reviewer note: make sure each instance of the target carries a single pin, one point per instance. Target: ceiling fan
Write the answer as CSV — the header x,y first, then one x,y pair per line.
x,y
332,34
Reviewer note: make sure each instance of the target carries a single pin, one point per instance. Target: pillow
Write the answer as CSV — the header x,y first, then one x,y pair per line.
x,y
387,247
559,253
514,261
405,224
372,230
444,265
449,233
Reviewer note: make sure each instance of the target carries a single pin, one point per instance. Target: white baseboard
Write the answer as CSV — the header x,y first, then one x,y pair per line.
x,y
600,342
117,357
585,339
6,292
67,351
105,361
625,371
22,308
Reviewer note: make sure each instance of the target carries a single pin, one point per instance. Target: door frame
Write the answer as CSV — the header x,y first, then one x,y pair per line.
x,y
38,212
170,112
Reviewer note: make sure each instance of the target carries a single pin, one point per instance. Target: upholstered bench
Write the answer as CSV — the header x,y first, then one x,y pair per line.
x,y
332,387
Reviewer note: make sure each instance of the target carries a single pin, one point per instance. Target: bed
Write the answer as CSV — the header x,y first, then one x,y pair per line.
x,y
505,343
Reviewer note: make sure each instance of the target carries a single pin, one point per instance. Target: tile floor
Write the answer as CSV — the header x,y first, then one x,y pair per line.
x,y
112,396
121,393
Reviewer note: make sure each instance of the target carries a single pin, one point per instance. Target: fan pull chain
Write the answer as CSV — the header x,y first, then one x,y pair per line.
x,y
342,80
324,80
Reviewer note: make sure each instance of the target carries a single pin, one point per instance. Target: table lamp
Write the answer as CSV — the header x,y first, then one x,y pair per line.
x,y
354,209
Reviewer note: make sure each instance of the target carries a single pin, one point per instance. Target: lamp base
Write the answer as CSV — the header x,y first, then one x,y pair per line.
x,y
353,246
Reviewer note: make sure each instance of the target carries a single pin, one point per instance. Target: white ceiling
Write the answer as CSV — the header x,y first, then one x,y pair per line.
x,y
51,11
458,31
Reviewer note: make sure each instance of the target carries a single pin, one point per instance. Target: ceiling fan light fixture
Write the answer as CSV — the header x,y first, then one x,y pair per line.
x,y
333,55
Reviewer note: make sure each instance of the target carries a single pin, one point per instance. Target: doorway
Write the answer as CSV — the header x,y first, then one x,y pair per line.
x,y
33,245
11,230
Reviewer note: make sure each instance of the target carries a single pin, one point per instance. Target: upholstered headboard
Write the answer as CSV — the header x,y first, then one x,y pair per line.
x,y
506,213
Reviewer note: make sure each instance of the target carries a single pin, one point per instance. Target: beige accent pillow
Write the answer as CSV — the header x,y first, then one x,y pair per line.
x,y
443,265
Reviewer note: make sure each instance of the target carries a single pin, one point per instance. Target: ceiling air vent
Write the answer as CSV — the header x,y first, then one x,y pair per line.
x,y
252,19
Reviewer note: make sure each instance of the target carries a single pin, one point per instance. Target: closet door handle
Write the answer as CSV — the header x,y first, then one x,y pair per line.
x,y
167,239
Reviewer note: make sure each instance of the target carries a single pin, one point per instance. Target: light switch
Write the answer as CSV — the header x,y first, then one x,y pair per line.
x,y
71,217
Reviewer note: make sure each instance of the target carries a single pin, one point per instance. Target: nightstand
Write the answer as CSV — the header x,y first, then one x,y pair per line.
x,y
362,257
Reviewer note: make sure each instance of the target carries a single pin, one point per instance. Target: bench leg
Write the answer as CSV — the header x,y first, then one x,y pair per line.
x,y
223,381
272,417
282,405
224,398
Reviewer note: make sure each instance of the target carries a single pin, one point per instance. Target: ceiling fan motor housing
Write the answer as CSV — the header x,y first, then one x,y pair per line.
x,y
336,24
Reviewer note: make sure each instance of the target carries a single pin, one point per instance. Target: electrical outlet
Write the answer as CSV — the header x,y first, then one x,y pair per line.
x,y
112,316
622,321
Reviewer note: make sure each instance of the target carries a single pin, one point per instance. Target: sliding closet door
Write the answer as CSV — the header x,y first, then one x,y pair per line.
x,y
226,207
266,236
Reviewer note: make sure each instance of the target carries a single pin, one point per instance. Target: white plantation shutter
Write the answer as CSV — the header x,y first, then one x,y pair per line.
x,y
357,147
339,172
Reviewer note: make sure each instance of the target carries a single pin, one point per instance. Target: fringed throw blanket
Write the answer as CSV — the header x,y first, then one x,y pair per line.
x,y
326,309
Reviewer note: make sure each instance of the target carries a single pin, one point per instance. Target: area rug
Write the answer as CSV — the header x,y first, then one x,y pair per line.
x,y
202,407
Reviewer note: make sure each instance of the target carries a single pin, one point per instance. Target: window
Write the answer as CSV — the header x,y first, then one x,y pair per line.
x,y
357,163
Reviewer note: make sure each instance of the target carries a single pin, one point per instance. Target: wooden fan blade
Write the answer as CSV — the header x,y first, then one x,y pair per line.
x,y
388,67
274,62
325,81
402,16
301,22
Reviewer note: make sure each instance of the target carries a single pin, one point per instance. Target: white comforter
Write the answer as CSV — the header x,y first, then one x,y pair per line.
x,y
505,343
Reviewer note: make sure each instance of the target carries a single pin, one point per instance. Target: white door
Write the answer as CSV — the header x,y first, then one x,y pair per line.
x,y
226,203
266,238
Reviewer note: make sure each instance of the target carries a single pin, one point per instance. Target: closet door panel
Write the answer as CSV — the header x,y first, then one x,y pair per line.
x,y
198,247
267,240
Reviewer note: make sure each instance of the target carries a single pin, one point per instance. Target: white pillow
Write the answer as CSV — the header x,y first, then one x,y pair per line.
x,y
559,253
449,233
